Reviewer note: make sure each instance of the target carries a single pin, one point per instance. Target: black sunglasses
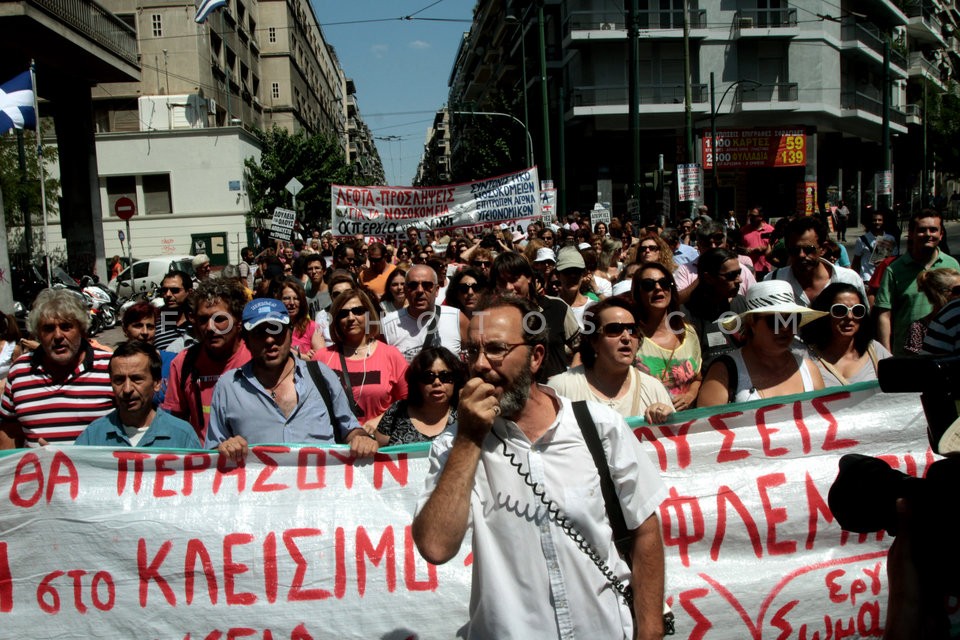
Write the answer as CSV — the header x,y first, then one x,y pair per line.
x,y
358,311
426,284
464,287
427,377
649,284
173,290
616,329
730,276
480,264
808,249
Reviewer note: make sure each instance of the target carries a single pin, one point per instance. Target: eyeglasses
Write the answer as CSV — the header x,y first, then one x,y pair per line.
x,y
730,276
495,351
358,311
464,287
859,311
173,290
649,284
806,249
427,377
481,264
780,322
644,248
546,237
426,284
616,329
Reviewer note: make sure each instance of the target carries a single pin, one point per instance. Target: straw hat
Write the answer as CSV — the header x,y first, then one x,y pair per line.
x,y
769,297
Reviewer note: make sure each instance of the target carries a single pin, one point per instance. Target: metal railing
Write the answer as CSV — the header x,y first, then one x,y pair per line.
x,y
649,94
870,104
766,18
93,21
869,35
929,18
647,19
779,92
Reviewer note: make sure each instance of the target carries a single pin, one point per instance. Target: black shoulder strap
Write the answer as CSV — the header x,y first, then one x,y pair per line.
x,y
190,370
621,535
314,368
347,386
732,375
432,339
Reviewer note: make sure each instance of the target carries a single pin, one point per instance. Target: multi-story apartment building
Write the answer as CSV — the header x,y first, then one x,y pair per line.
x,y
816,68
434,165
251,64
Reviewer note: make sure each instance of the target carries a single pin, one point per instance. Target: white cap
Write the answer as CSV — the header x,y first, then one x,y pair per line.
x,y
583,245
545,255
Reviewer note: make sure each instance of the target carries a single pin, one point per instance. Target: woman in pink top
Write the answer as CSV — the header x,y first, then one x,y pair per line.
x,y
306,339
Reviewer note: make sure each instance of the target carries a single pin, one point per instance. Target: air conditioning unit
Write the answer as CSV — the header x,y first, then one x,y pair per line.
x,y
746,23
211,106
608,26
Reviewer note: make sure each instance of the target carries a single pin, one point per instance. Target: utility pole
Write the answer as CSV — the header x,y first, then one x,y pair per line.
x,y
887,197
633,63
687,96
547,173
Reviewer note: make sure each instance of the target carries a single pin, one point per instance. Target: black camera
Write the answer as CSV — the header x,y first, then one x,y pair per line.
x,y
937,380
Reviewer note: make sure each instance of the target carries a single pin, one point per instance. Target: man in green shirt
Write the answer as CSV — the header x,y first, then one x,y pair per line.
x,y
899,302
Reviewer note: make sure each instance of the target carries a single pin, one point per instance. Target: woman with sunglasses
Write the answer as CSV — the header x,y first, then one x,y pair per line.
x,y
607,374
372,372
766,366
842,343
670,350
434,380
466,287
652,248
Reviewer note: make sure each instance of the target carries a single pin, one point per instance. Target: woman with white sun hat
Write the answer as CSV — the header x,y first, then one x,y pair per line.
x,y
766,366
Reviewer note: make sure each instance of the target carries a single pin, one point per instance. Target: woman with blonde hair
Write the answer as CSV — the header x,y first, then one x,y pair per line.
x,y
937,285
652,248
372,372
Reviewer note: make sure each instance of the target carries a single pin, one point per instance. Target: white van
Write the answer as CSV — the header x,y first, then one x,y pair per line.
x,y
148,274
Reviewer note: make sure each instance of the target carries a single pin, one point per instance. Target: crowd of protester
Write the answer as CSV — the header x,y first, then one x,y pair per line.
x,y
648,321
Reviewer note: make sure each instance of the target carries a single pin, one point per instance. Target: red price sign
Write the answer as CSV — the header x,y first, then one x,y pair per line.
x,y
748,148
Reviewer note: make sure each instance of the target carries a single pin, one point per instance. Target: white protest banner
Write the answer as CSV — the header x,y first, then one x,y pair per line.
x,y
309,543
388,211
281,227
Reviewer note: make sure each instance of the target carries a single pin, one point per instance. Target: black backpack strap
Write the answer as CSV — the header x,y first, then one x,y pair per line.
x,y
318,380
621,534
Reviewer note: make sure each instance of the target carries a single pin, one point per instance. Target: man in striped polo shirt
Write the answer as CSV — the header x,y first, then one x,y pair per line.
x,y
53,393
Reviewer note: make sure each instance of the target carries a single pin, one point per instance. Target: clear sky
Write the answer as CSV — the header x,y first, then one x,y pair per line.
x,y
400,67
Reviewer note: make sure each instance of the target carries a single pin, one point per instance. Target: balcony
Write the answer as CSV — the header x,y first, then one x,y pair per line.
x,y
647,20
779,92
866,39
650,94
924,25
914,114
94,22
858,101
766,22
920,67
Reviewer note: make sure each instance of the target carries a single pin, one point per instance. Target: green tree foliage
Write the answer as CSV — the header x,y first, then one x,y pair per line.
x,y
21,194
317,161
485,146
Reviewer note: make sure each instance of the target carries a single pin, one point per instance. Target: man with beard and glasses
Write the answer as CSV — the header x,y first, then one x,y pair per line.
x,y
536,582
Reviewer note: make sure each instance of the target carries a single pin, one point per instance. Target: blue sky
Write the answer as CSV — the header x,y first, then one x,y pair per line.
x,y
400,67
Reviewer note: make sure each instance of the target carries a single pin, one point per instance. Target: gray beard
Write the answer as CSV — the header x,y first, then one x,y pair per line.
x,y
515,398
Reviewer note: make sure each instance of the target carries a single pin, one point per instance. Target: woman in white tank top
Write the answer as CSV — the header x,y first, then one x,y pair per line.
x,y
766,366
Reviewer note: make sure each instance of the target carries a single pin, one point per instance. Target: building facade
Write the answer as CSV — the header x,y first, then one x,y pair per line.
x,y
765,72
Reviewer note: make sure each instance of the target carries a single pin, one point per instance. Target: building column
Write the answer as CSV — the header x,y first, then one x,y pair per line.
x,y
81,219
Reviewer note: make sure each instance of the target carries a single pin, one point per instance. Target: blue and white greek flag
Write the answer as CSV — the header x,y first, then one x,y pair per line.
x,y
206,7
16,104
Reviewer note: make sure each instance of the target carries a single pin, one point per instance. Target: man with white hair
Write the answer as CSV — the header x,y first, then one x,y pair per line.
x,y
52,394
423,323
201,267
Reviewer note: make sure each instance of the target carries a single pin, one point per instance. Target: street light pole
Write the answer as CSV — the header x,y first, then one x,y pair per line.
x,y
504,115
547,174
713,134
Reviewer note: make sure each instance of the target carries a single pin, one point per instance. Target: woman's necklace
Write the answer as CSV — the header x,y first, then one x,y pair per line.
x,y
273,389
609,399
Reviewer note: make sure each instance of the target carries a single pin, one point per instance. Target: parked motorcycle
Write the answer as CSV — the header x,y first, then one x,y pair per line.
x,y
104,300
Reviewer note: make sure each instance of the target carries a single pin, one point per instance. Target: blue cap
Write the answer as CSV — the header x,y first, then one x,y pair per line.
x,y
263,310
